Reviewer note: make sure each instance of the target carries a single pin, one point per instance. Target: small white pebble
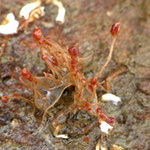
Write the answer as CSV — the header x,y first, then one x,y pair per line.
x,y
111,97
105,127
61,11
26,9
11,26
14,123
1,94
64,136
109,13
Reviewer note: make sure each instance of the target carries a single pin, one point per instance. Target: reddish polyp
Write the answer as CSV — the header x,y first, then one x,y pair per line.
x,y
26,74
103,116
93,81
110,120
86,139
98,123
4,99
37,34
115,29
98,110
44,57
74,64
54,61
88,106
90,88
15,96
73,51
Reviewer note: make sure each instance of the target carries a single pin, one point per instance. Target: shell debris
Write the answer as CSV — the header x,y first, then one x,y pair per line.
x,y
63,136
9,25
26,9
105,127
111,97
61,11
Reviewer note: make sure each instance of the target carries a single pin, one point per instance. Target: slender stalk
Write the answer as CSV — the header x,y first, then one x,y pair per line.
x,y
108,58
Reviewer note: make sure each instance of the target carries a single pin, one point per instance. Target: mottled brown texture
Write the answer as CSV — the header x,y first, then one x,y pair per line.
x,y
87,22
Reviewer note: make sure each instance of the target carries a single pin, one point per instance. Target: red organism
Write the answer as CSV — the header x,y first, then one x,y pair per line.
x,y
38,35
74,64
26,74
15,95
93,81
115,29
4,99
54,61
73,51
65,70
110,120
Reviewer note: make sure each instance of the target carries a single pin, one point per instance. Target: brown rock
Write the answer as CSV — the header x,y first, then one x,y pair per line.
x,y
144,86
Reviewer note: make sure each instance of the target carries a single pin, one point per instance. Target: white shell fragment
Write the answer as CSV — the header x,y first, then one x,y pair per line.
x,y
116,147
111,97
14,123
26,9
48,94
63,136
103,148
11,26
42,10
97,145
61,11
105,127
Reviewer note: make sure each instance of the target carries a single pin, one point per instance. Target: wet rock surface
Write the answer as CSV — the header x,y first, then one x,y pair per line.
x,y
87,22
